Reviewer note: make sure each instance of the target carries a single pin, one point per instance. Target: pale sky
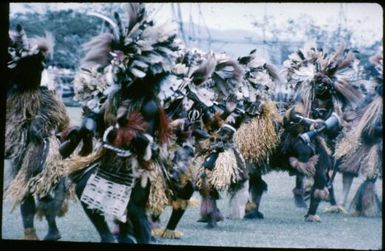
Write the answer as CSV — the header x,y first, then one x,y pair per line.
x,y
241,15
236,15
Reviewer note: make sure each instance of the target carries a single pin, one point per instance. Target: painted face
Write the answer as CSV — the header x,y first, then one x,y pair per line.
x,y
323,86
320,88
321,109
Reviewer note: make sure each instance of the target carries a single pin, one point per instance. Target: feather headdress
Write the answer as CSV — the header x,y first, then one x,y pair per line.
x,y
261,78
314,73
207,77
355,150
132,50
26,58
20,46
301,64
217,73
227,76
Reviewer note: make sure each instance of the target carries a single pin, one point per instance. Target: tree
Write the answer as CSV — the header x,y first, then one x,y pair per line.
x,y
70,29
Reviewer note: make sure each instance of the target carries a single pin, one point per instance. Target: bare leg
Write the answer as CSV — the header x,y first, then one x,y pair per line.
x,y
209,210
136,212
366,202
332,196
28,210
257,187
311,214
52,206
238,201
178,209
215,215
299,192
97,219
50,215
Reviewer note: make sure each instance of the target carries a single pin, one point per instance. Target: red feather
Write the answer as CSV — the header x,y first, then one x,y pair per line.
x,y
135,124
164,129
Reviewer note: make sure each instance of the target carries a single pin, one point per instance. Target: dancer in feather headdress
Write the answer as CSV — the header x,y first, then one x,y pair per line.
x,y
188,101
177,181
323,92
219,164
33,116
118,83
258,135
359,151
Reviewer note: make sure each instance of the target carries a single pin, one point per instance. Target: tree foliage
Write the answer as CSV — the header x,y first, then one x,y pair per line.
x,y
70,29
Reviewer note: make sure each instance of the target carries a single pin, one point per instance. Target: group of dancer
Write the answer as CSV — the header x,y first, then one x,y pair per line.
x,y
161,121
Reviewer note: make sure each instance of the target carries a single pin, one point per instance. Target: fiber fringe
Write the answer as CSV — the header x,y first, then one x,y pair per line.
x,y
41,184
372,163
158,198
225,172
21,107
76,162
347,144
69,195
372,115
366,202
256,140
357,157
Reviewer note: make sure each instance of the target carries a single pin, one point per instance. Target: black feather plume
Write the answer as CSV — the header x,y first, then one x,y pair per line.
x,y
120,27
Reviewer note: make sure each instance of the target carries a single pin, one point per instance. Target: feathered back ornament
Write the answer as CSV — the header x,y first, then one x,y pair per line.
x,y
191,57
26,57
186,69
135,49
212,77
18,41
21,47
192,68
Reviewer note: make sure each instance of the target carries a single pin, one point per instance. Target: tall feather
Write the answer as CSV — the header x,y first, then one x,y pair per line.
x,y
44,44
337,54
109,21
119,26
349,94
136,13
203,71
97,50
347,61
237,69
273,72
